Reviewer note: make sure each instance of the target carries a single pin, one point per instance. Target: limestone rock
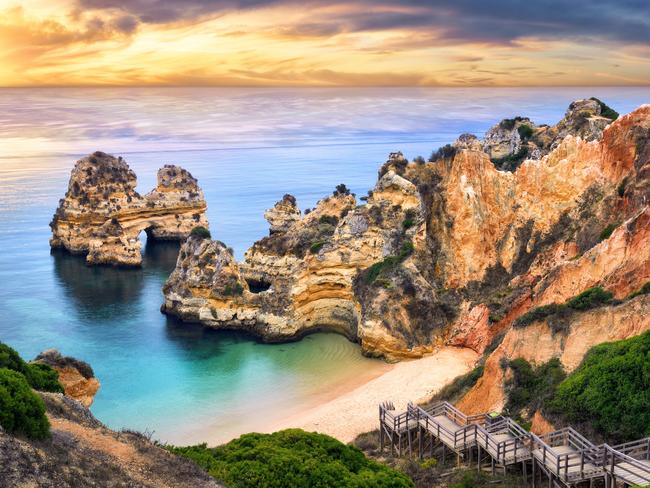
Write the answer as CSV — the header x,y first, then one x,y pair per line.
x,y
101,214
283,215
77,377
449,251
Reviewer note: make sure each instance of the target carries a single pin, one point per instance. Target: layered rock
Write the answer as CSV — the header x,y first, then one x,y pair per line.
x,y
102,214
447,251
511,141
77,377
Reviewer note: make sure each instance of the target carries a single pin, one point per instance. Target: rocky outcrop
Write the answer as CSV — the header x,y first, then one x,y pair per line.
x,y
102,214
539,342
77,377
83,452
512,141
449,251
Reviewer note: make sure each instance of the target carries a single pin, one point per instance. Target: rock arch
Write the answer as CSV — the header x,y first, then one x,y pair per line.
x,y
102,215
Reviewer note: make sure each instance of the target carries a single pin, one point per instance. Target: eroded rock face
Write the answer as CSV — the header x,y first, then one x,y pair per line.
x,y
444,252
101,214
512,141
77,377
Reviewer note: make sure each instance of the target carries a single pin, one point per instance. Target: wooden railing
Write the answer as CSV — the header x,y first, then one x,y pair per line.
x,y
583,461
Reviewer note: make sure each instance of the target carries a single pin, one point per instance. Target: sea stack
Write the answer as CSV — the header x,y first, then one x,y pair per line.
x,y
446,251
102,214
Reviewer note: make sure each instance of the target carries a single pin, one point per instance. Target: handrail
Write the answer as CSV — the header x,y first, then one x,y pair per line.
x,y
585,460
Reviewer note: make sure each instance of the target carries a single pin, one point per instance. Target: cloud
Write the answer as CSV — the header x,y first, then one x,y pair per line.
x,y
496,21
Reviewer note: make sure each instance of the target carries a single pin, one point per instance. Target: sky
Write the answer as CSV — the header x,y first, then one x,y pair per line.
x,y
324,43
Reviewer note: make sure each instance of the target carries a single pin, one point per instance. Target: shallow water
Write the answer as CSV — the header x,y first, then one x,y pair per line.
x,y
247,147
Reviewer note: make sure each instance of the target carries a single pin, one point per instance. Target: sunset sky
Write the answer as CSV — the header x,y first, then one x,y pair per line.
x,y
324,43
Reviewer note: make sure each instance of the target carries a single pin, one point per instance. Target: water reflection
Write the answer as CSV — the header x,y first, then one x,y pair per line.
x,y
96,290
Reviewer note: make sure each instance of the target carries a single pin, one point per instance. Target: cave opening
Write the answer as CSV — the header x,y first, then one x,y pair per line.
x,y
258,286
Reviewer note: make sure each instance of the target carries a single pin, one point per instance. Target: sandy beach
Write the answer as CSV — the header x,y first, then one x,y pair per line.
x,y
355,411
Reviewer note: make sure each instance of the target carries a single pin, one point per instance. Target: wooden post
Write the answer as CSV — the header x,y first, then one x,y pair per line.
x,y
479,457
534,472
523,468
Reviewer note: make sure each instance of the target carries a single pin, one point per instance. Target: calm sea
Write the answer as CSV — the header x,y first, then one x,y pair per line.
x,y
247,147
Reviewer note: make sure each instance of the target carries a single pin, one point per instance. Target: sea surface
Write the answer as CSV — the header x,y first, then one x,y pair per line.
x,y
247,147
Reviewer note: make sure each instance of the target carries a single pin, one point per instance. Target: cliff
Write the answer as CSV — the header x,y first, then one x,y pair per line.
x,y
102,214
80,451
448,251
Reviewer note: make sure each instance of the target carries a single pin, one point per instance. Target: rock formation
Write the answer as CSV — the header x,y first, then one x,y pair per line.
x,y
512,141
102,214
446,251
77,377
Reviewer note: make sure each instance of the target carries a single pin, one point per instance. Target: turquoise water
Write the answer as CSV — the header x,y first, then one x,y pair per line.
x,y
247,147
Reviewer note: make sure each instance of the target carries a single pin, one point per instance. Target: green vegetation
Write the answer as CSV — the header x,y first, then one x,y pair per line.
x,y
606,110
39,376
455,390
21,410
317,246
511,161
525,132
328,219
644,290
388,263
588,299
233,290
529,387
419,160
291,458
408,223
610,390
341,190
444,152
200,231
607,231
620,189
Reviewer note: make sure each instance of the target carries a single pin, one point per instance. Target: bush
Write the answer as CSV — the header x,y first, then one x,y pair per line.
x,y
511,161
454,391
232,290
588,299
341,190
21,410
644,290
445,152
530,387
388,263
525,132
607,231
39,376
419,160
610,390
43,378
317,246
328,219
291,458
200,231
606,110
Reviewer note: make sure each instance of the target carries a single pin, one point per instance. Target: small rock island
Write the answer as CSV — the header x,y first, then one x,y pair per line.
x,y
102,214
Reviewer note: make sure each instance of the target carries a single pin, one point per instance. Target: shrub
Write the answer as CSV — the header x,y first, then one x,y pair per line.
x,y
644,290
408,223
39,376
341,190
388,263
588,299
525,132
21,410
200,231
444,152
606,110
456,389
620,189
232,290
43,378
511,161
610,390
291,458
328,219
317,246
419,160
529,387
607,231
